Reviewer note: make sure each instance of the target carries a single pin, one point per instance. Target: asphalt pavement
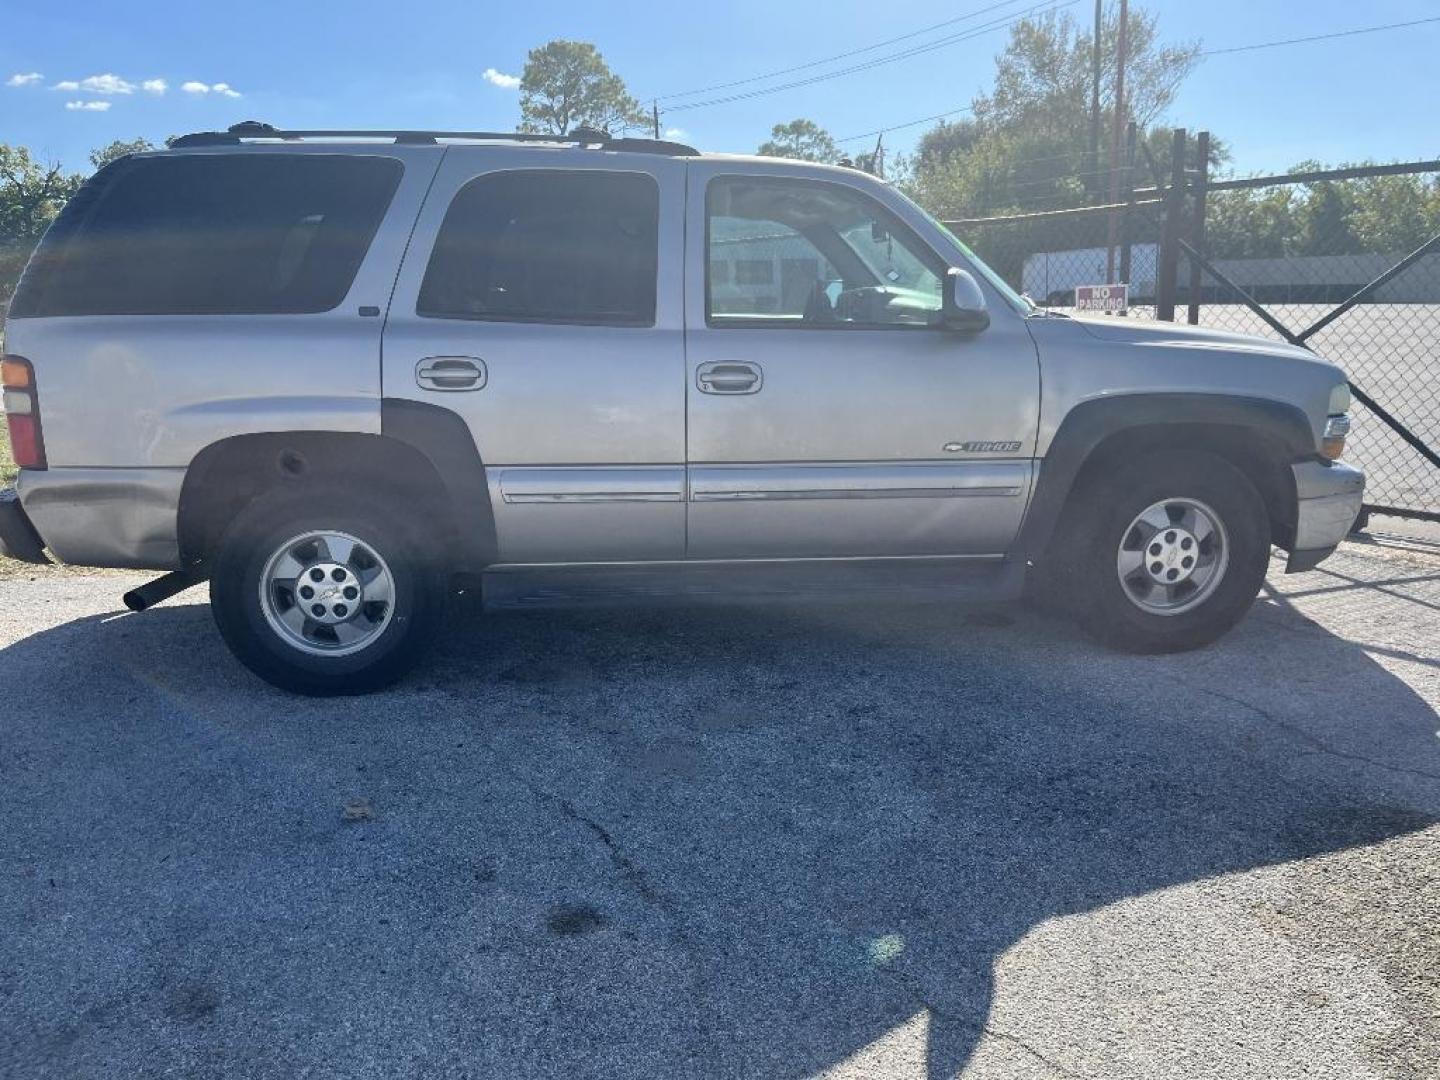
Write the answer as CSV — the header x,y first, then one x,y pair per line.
x,y
898,841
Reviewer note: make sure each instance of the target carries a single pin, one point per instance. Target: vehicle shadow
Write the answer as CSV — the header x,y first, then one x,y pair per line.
x,y
692,842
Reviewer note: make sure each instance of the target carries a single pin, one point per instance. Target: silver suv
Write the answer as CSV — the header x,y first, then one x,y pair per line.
x,y
336,373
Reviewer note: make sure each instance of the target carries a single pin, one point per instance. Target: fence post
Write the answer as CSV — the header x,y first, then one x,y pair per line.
x,y
1131,133
1168,272
1197,224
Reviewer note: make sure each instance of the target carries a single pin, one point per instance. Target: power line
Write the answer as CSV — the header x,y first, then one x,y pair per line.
x,y
908,123
1319,37
838,56
1054,157
996,24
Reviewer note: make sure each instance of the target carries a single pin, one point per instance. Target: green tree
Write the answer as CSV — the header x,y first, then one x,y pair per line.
x,y
1395,214
1027,147
1251,223
31,194
802,139
118,149
567,84
1043,77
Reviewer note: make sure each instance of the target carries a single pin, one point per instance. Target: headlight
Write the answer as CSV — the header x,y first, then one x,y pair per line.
x,y
1332,445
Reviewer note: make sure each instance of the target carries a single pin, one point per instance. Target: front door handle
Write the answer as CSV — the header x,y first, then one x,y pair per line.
x,y
451,373
729,377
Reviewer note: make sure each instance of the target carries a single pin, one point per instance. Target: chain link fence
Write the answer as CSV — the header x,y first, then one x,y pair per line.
x,y
1345,262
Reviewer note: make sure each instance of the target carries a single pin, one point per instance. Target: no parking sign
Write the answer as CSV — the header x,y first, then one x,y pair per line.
x,y
1107,299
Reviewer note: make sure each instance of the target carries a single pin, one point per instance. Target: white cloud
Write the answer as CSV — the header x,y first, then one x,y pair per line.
x,y
676,133
67,85
24,79
87,106
107,84
500,79
223,89
155,86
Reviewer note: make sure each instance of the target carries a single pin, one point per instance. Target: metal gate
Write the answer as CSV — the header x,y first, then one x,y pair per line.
x,y
1366,298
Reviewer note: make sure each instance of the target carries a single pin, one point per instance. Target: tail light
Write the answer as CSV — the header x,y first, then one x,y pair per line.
x,y
22,410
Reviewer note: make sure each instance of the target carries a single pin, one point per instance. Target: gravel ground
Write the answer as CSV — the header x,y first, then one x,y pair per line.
x,y
889,841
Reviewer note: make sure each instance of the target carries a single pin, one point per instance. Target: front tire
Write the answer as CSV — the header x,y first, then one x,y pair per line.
x,y
325,592
1171,551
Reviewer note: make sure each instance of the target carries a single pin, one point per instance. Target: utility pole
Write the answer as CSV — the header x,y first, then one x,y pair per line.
x,y
655,113
878,164
1092,168
1121,45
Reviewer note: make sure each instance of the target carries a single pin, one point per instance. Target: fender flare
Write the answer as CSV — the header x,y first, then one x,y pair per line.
x,y
435,438
443,436
1090,423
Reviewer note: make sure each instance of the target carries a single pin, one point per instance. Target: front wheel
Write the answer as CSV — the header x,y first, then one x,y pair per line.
x,y
323,592
1171,551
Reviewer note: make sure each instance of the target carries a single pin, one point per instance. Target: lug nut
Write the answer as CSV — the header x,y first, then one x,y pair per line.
x,y
317,574
306,592
318,610
341,611
351,592
338,573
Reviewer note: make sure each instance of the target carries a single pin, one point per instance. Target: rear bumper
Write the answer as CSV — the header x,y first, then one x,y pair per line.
x,y
18,538
1328,499
106,517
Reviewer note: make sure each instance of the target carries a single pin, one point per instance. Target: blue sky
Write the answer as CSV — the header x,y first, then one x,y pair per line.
x,y
158,67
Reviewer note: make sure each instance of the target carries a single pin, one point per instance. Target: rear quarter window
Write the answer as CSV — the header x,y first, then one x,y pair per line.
x,y
211,234
548,245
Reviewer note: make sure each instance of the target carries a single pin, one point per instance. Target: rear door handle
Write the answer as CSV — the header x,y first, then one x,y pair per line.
x,y
729,377
451,373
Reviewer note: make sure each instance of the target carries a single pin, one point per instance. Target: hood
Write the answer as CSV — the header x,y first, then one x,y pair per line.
x,y
1163,335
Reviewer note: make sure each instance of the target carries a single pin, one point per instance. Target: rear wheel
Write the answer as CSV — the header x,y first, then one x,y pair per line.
x,y
1169,552
325,592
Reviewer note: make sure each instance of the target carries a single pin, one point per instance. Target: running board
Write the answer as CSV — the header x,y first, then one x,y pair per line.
x,y
951,581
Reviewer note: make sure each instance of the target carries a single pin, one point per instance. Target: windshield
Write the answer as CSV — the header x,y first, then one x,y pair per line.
x,y
1020,302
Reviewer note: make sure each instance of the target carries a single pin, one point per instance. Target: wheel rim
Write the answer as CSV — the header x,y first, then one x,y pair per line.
x,y
1172,556
327,593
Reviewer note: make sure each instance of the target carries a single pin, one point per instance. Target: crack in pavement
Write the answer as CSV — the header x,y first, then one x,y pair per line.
x,y
629,869
1316,744
912,987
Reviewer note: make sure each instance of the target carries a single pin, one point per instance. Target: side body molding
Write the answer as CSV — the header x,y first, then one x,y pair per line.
x,y
1091,422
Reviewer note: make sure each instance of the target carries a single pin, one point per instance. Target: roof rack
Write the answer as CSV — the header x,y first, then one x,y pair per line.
x,y
588,137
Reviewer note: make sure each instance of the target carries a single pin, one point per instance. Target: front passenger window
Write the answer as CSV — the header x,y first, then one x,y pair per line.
x,y
786,252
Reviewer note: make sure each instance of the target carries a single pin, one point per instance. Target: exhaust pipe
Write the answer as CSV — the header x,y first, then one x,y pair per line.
x,y
162,588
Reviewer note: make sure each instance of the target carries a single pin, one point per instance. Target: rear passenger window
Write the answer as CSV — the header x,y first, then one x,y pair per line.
x,y
211,234
548,245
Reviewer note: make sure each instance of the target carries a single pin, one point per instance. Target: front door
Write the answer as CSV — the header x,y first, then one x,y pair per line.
x,y
828,413
544,306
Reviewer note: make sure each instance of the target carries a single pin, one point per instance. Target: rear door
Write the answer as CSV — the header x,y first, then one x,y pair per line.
x,y
541,300
829,413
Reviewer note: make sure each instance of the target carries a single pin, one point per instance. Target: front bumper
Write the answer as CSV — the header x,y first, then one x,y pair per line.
x,y
18,538
1327,502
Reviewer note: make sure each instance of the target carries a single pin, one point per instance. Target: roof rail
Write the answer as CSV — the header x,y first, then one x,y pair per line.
x,y
588,137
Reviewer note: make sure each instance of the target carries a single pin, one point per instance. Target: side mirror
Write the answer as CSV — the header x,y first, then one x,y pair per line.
x,y
962,306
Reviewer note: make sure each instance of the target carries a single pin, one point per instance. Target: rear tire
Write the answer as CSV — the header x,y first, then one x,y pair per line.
x,y
321,591
1169,552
